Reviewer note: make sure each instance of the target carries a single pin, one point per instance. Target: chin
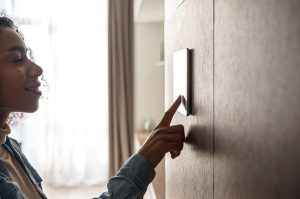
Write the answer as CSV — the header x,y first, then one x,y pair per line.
x,y
33,109
29,109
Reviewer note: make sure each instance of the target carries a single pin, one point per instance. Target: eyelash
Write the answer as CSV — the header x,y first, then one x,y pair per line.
x,y
18,60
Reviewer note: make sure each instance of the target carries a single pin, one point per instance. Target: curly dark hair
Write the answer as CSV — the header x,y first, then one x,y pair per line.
x,y
6,22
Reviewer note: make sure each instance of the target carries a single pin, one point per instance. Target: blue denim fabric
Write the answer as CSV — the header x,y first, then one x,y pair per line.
x,y
131,180
8,188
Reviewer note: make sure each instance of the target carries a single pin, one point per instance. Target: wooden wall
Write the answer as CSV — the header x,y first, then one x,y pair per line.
x,y
243,137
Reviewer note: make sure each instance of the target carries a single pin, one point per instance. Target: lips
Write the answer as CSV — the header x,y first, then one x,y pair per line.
x,y
34,88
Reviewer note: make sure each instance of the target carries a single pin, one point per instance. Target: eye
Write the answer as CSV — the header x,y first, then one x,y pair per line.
x,y
18,60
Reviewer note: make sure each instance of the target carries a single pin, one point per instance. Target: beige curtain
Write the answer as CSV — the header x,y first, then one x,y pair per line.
x,y
120,35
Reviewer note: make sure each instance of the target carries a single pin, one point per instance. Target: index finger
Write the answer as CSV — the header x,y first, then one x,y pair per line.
x,y
168,116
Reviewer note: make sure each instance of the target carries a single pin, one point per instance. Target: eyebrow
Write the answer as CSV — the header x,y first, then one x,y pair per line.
x,y
17,48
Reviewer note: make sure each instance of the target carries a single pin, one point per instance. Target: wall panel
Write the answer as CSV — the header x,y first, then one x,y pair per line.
x,y
190,26
257,99
243,137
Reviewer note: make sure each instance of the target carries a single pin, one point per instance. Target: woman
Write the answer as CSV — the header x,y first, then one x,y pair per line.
x,y
19,92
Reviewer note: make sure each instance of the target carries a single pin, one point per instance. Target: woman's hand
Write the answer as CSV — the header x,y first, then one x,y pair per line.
x,y
164,138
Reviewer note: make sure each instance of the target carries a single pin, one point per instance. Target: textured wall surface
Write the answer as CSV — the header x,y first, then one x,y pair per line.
x,y
257,99
189,26
243,137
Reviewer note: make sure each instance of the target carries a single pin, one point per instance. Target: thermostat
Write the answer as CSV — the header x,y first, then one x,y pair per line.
x,y
181,79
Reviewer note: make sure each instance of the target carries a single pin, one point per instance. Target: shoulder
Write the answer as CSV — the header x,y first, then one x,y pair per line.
x,y
17,150
8,188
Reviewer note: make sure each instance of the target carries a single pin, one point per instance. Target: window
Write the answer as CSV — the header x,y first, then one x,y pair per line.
x,y
66,139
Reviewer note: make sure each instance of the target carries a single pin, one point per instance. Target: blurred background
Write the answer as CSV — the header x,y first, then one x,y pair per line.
x,y
67,139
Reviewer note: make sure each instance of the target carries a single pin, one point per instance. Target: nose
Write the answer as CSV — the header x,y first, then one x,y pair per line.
x,y
35,70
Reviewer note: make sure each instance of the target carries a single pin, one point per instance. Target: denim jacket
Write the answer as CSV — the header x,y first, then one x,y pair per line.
x,y
131,181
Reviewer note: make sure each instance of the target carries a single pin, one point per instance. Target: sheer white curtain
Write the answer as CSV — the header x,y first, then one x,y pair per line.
x,y
67,139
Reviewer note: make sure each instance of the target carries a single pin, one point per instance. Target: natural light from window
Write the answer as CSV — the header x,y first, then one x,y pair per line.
x,y
66,139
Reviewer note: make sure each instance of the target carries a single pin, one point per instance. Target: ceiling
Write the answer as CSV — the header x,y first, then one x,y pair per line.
x,y
149,11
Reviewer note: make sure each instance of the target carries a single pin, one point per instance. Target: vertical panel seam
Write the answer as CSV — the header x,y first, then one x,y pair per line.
x,y
213,79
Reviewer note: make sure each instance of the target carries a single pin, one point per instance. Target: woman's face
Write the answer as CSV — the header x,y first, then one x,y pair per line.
x,y
19,85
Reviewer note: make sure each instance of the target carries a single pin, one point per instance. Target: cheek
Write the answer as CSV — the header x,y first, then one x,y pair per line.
x,y
7,95
12,93
3,94
10,87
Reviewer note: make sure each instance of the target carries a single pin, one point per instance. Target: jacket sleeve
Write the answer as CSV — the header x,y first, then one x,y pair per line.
x,y
131,180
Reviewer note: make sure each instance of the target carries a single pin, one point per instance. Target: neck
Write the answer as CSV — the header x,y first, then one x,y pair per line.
x,y
3,118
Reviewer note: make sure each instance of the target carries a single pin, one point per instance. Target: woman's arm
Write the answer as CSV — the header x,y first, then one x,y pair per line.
x,y
138,172
131,180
